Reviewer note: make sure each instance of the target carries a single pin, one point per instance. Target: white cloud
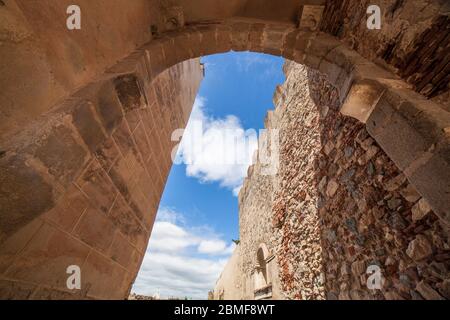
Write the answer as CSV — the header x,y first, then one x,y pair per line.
x,y
169,237
177,276
215,247
181,261
217,150
170,215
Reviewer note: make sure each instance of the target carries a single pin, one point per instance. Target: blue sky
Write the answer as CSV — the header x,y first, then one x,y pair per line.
x,y
198,213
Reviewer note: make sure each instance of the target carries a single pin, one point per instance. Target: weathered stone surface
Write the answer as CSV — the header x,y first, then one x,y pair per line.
x,y
420,210
62,155
24,195
10,290
427,291
69,209
410,194
129,92
17,242
402,41
395,183
89,184
358,268
369,222
61,251
98,187
88,125
335,178
444,288
98,270
95,229
332,187
419,248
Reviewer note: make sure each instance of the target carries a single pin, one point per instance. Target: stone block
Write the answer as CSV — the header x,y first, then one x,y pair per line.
x,y
126,221
121,175
95,229
133,119
419,248
331,70
104,278
302,41
33,195
154,55
139,202
46,257
127,65
147,118
256,36
142,143
184,42
88,125
124,253
426,117
332,187
362,99
273,39
62,155
192,44
321,45
369,70
428,292
239,36
122,136
397,136
103,98
289,43
107,154
420,210
129,93
68,210
98,187
432,181
345,58
10,247
310,61
410,194
145,183
343,84
155,143
143,72
208,44
15,290
155,172
224,38
310,17
170,51
108,107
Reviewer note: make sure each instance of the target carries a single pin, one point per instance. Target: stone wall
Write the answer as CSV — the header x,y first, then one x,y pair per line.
x,y
43,62
337,206
343,205
87,179
255,228
229,284
413,40
238,279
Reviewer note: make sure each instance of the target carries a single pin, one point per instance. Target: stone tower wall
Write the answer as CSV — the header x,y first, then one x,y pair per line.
x,y
337,206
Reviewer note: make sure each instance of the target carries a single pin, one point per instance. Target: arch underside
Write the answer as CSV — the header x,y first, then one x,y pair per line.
x,y
411,130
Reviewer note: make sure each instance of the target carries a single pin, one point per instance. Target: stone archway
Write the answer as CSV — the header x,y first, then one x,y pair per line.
x,y
399,119
60,155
